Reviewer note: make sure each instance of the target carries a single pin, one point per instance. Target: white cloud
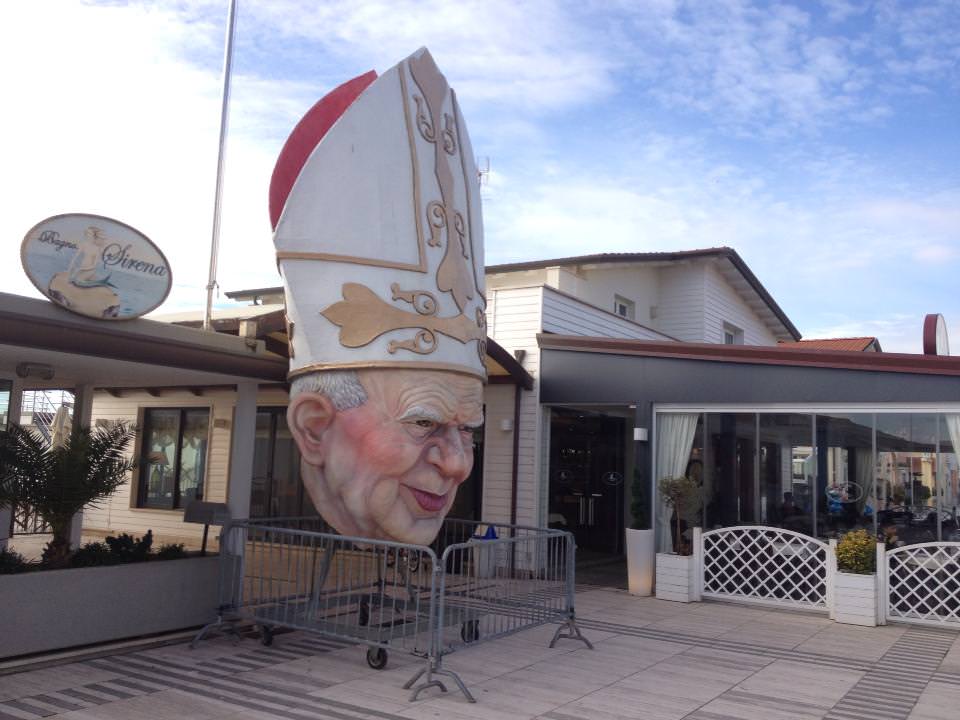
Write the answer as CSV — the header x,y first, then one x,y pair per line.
x,y
118,115
773,68
530,56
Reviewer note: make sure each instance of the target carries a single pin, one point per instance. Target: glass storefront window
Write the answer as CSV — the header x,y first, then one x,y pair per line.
x,y
734,495
949,476
894,474
787,471
6,387
173,457
907,472
844,474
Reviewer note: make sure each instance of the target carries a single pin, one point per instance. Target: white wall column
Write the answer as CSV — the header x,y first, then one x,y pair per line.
x,y
82,417
16,398
82,405
242,441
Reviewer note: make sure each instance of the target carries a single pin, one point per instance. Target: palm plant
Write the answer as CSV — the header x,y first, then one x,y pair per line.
x,y
58,482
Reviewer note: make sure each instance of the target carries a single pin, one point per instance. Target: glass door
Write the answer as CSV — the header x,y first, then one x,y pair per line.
x,y
587,451
276,490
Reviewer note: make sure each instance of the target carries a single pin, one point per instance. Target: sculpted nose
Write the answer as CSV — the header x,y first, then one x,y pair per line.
x,y
451,456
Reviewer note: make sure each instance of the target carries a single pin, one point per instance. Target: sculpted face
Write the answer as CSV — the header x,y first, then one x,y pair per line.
x,y
390,468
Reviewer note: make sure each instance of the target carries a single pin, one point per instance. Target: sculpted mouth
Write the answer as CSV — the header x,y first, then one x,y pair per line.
x,y
428,501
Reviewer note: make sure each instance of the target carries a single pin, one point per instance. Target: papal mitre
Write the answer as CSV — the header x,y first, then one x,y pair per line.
x,y
375,204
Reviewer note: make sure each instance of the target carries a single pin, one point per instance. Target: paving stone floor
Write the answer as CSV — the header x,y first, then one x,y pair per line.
x,y
653,660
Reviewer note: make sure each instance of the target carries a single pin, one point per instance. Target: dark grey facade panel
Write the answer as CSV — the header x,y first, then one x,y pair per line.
x,y
583,377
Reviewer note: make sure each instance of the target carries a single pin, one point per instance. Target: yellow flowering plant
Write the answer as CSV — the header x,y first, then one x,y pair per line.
x,y
857,553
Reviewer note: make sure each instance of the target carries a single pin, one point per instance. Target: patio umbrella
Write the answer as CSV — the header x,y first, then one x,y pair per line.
x,y
60,427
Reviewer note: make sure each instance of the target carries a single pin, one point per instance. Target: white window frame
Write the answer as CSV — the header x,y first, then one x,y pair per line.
x,y
629,306
734,334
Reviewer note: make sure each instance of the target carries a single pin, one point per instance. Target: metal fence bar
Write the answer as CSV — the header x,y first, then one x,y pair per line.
x,y
463,590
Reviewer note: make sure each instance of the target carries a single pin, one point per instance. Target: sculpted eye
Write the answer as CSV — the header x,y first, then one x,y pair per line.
x,y
425,424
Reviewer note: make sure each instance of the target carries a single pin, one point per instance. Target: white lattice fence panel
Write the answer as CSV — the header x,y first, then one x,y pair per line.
x,y
765,564
923,583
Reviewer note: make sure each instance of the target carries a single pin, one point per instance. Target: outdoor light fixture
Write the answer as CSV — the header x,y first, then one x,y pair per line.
x,y
36,370
640,434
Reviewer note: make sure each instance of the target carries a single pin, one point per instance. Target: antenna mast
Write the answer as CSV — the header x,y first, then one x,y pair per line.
x,y
224,117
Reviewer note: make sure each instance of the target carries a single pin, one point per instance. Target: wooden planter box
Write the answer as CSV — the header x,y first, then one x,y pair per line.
x,y
855,599
57,609
640,561
677,577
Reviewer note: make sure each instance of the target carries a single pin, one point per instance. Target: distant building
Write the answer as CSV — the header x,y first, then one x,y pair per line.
x,y
854,344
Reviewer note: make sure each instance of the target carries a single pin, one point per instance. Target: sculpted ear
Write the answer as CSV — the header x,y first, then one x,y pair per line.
x,y
309,416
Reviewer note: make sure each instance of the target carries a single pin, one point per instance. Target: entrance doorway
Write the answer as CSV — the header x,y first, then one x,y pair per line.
x,y
276,490
587,470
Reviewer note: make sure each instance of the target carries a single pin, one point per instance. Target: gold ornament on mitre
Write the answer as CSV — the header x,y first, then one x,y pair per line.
x,y
380,239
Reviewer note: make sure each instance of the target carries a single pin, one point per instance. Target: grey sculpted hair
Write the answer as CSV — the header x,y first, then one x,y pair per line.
x,y
342,387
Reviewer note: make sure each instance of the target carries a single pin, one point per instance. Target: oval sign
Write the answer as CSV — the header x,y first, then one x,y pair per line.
x,y
96,266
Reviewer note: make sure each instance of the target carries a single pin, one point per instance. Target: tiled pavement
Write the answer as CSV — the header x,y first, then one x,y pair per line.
x,y
653,660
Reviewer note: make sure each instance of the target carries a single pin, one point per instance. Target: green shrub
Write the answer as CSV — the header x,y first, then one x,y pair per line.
x,y
58,482
12,562
171,551
857,553
127,548
93,554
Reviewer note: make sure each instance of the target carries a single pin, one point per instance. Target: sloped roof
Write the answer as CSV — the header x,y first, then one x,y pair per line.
x,y
724,253
272,330
853,344
757,354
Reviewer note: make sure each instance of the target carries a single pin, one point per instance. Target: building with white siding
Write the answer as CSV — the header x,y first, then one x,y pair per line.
x,y
602,368
186,432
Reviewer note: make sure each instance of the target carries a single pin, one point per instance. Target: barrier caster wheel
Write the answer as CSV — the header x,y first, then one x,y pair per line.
x,y
470,631
266,636
377,658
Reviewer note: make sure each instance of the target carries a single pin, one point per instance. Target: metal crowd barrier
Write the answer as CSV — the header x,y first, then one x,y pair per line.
x,y
429,601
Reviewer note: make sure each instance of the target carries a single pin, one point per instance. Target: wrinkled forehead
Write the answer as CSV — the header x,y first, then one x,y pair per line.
x,y
452,396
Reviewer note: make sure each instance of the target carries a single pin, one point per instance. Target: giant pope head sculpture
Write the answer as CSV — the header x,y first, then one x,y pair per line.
x,y
376,211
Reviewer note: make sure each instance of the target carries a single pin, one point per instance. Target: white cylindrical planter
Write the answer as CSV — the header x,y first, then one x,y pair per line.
x,y
676,577
855,599
640,561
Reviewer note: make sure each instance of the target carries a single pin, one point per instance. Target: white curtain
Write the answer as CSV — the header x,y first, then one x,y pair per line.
x,y
953,427
675,433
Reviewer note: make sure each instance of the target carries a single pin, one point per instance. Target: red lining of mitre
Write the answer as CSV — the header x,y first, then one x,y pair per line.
x,y
305,137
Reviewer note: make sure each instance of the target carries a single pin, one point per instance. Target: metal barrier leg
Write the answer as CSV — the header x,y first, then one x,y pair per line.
x,y
434,668
573,633
231,629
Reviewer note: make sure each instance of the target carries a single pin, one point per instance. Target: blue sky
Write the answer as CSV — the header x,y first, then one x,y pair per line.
x,y
821,140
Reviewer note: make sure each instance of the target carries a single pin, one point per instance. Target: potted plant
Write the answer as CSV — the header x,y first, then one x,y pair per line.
x,y
676,570
639,540
855,584
59,481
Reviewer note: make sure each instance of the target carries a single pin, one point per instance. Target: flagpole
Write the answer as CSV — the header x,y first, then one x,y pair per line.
x,y
224,117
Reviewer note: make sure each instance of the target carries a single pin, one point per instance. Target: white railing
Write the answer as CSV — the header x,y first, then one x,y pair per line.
x,y
923,584
771,566
766,565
